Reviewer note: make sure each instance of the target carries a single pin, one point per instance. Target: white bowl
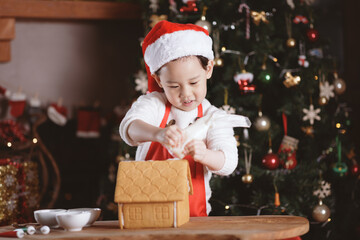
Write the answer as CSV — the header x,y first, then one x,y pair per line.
x,y
95,213
73,221
47,217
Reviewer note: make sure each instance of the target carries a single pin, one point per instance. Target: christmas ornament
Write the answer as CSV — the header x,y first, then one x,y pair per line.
x,y
308,130
190,7
339,85
247,178
270,160
340,167
355,169
287,152
17,102
321,212
302,58
316,52
300,19
291,41
323,101
311,114
259,17
154,5
141,81
247,8
57,113
154,19
244,79
326,90
262,123
227,108
302,61
312,34
202,22
288,147
323,191
291,80
277,200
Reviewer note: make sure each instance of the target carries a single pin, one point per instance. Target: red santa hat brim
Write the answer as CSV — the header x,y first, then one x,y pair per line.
x,y
168,41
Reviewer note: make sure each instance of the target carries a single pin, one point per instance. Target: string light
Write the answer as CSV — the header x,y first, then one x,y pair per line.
x,y
338,125
227,207
35,140
9,144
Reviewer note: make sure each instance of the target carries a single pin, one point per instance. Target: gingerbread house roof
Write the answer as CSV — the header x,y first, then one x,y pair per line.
x,y
152,181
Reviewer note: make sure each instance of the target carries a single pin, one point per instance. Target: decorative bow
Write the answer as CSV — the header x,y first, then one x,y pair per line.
x,y
154,19
300,19
258,17
291,80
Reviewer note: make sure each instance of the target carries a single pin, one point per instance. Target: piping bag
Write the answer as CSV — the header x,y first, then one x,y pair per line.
x,y
198,130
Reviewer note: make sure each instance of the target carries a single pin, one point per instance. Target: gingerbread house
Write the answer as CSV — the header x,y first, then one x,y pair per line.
x,y
153,193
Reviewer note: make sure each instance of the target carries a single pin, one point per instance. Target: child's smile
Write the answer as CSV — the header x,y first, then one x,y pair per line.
x,y
184,82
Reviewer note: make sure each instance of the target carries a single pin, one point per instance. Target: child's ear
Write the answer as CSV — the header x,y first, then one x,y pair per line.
x,y
157,79
209,69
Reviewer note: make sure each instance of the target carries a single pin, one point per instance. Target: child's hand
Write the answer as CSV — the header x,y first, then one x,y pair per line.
x,y
171,136
197,149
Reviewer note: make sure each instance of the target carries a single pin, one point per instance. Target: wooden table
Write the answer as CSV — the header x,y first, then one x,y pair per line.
x,y
199,228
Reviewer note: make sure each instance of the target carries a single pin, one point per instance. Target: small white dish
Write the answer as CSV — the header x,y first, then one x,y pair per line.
x,y
47,217
95,214
73,221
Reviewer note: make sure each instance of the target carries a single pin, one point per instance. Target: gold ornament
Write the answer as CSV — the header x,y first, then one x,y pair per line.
x,y
202,22
291,42
321,212
247,178
154,19
258,17
262,123
218,62
323,101
340,86
309,131
291,80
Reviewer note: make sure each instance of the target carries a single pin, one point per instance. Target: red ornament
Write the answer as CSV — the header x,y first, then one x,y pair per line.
x,y
355,170
190,7
270,161
312,34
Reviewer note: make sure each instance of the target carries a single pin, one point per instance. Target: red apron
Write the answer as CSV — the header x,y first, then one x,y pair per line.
x,y
157,151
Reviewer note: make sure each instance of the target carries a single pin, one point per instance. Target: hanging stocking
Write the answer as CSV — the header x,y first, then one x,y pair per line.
x,y
288,147
88,123
17,102
57,113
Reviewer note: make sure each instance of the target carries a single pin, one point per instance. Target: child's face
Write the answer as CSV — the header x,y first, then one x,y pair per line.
x,y
184,82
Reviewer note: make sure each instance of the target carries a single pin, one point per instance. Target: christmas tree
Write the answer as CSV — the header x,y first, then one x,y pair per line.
x,y
273,66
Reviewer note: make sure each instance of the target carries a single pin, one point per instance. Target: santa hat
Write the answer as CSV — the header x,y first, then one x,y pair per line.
x,y
57,114
168,41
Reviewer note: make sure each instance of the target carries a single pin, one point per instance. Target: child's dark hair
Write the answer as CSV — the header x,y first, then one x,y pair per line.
x,y
203,62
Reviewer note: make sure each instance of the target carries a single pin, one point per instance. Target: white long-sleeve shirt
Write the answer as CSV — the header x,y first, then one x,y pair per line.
x,y
150,108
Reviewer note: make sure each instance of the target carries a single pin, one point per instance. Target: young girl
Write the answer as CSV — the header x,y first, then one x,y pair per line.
x,y
179,60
